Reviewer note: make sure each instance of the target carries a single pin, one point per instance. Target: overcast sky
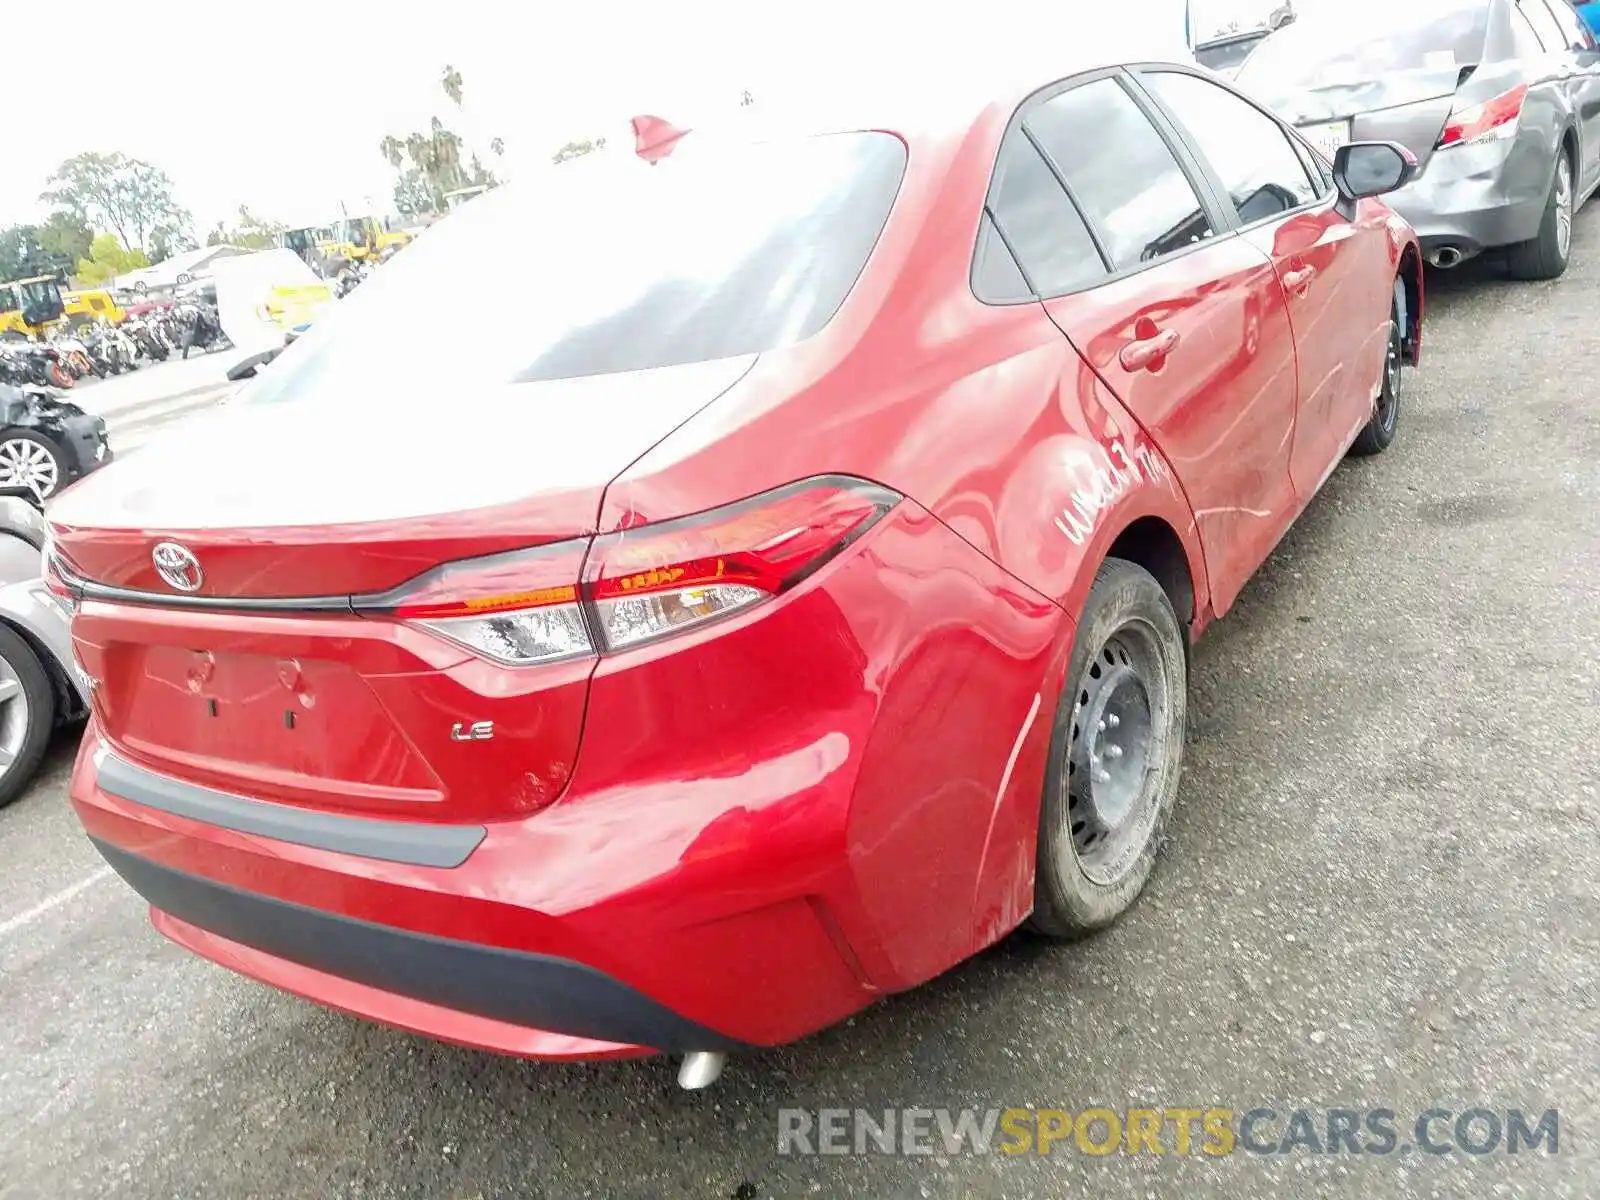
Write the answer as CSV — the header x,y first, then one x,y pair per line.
x,y
262,103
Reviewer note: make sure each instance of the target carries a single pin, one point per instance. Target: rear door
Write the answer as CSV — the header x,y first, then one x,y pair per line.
x,y
1191,331
1577,63
1332,269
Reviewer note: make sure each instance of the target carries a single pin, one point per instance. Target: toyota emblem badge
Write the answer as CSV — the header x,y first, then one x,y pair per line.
x,y
178,566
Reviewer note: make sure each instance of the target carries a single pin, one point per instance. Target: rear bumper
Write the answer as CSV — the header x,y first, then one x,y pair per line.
x,y
1476,198
507,987
554,937
722,869
1472,231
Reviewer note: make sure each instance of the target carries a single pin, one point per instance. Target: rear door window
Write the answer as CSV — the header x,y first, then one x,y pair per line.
x,y
1525,36
1131,186
1550,35
1040,224
1249,151
1572,28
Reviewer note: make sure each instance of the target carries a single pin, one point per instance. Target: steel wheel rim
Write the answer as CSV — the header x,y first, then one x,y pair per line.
x,y
1389,401
13,715
1114,768
1563,205
25,463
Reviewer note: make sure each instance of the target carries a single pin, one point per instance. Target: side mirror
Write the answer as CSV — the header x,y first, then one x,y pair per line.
x,y
1362,169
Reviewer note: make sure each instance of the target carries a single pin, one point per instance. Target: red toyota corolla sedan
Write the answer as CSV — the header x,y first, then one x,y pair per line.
x,y
789,599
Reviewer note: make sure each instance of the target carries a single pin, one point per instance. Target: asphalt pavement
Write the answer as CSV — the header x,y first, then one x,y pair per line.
x,y
1379,892
143,403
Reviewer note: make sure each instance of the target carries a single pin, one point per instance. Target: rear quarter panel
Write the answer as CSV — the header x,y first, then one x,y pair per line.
x,y
1023,470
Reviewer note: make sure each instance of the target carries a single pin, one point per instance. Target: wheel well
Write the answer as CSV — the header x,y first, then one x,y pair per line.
x,y
68,706
1411,280
1154,545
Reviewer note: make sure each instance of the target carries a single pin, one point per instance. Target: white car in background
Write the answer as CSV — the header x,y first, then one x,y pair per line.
x,y
1225,53
180,269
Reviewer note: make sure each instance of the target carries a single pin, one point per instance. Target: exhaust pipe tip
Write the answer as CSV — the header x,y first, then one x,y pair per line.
x,y
1446,257
700,1069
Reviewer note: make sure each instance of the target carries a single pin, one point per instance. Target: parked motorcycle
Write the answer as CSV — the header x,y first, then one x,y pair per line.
x,y
150,336
350,277
34,363
112,351
198,325
74,356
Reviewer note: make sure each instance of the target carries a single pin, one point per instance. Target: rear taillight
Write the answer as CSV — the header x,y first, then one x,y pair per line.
x,y
646,582
61,593
518,608
576,598
1493,120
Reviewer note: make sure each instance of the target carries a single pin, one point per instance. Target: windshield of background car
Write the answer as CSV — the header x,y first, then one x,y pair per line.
x,y
607,267
1348,41
1226,56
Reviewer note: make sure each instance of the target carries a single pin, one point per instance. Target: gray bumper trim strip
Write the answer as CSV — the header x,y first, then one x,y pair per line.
x,y
411,842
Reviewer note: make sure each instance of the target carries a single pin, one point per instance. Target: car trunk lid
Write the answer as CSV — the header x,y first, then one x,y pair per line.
x,y
286,502
264,681
1409,107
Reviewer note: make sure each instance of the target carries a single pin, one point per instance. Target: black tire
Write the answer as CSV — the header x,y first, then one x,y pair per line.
x,y
1128,672
40,699
1544,257
1378,433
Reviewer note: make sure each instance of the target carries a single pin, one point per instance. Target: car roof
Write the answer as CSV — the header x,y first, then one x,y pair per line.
x,y
937,86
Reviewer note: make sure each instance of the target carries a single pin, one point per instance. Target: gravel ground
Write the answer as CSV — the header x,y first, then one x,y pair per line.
x,y
1380,891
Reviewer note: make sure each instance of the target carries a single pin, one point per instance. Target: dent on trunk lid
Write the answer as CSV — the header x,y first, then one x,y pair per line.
x,y
395,457
1332,99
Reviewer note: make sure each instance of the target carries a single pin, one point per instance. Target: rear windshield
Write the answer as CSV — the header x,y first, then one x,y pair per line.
x,y
611,266
1333,42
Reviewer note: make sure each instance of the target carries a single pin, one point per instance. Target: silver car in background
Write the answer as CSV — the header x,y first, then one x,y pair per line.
x,y
41,685
1498,99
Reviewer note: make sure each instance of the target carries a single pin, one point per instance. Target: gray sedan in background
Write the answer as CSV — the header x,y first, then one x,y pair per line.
x,y
1498,99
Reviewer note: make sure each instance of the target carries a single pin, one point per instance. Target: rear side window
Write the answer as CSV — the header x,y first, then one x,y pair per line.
x,y
996,278
1249,151
1572,26
613,265
1121,171
1524,35
1550,33
1041,225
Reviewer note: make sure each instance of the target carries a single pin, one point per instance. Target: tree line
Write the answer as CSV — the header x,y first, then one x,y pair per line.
x,y
128,201
112,213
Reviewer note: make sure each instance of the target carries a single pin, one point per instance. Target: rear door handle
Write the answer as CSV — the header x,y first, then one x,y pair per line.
x,y
1148,354
1299,282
